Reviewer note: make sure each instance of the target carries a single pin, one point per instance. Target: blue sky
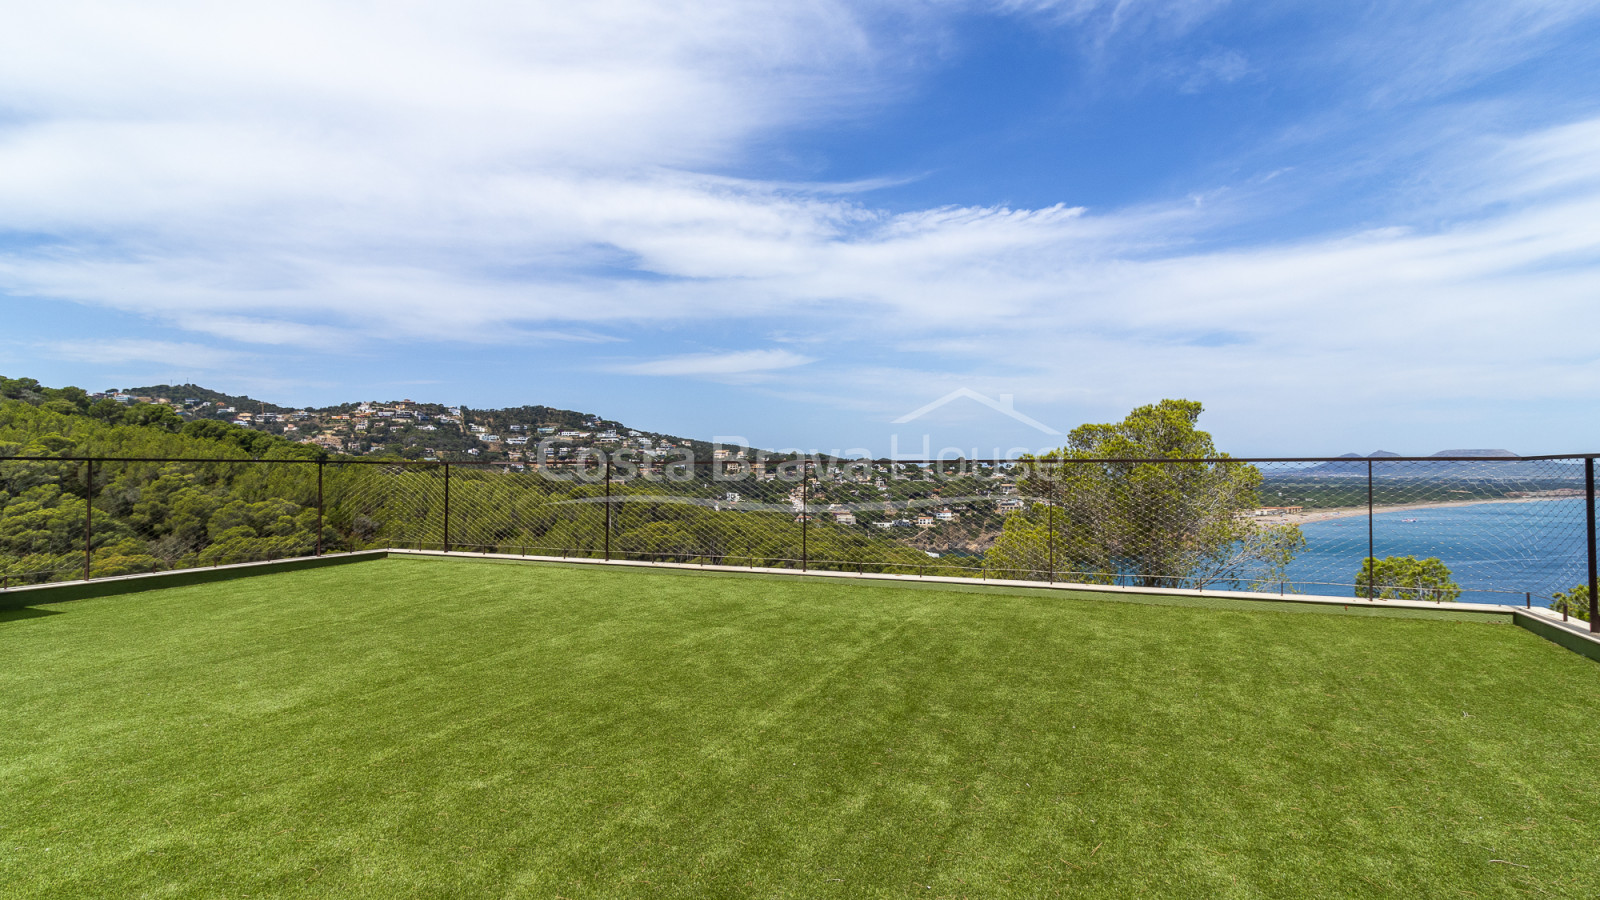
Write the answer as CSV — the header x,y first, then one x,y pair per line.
x,y
1340,226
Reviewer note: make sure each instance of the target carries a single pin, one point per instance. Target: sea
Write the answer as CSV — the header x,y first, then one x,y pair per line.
x,y
1497,552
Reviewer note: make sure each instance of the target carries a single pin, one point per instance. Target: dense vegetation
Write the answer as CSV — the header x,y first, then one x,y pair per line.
x,y
147,516
152,516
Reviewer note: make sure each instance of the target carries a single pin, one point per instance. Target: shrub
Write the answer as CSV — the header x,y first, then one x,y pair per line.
x,y
1406,578
1574,603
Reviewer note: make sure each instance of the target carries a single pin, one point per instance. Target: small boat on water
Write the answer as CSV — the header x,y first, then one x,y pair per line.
x,y
1408,520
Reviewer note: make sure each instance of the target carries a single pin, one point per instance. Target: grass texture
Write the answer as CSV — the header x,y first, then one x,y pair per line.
x,y
445,728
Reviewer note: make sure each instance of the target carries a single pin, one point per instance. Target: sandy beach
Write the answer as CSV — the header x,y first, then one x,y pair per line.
x,y
1349,512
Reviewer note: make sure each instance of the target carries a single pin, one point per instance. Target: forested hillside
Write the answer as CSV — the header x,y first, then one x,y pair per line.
x,y
42,421
262,502
147,516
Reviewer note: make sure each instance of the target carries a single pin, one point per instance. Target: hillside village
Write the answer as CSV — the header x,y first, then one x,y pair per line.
x,y
411,430
942,513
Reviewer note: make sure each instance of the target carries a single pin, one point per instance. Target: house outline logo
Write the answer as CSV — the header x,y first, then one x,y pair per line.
x,y
1005,406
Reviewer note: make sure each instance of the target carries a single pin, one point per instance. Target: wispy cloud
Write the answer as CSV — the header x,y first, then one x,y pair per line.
x,y
1220,67
183,355
741,364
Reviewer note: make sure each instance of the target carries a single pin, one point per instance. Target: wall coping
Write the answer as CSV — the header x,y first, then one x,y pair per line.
x,y
1314,599
81,589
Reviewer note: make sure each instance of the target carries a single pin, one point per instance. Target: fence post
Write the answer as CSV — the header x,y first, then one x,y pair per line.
x,y
447,507
805,513
1051,541
88,519
319,506
608,507
1372,561
1588,508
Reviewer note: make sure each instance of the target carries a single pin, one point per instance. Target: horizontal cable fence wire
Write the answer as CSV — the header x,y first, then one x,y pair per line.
x,y
1482,529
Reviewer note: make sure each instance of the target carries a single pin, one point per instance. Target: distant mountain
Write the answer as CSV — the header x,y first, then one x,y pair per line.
x,y
1461,465
1356,466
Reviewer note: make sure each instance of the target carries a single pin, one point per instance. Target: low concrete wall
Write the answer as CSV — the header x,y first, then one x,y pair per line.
x,y
63,591
1572,634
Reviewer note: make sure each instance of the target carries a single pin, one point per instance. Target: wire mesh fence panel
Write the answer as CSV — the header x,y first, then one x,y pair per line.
x,y
1325,503
1033,531
541,511
1501,527
911,519
160,516
1505,528
1162,524
42,521
1066,524
717,512
1179,524
369,506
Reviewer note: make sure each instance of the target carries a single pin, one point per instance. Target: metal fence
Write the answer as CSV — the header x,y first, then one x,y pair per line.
x,y
1486,529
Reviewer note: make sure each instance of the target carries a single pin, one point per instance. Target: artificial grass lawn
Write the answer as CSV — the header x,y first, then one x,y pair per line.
x,y
443,728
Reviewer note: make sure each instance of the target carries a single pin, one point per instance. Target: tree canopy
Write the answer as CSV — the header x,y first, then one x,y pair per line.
x,y
1574,602
1149,500
1406,578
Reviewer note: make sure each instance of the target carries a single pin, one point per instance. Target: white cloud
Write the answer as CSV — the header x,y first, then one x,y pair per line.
x,y
737,365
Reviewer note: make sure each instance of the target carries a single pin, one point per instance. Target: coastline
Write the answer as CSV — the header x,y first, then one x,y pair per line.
x,y
1350,512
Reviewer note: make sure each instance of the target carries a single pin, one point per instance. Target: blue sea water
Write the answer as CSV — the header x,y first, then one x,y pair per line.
x,y
1495,551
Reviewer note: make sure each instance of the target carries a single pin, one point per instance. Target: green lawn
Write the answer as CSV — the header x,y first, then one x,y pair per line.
x,y
449,728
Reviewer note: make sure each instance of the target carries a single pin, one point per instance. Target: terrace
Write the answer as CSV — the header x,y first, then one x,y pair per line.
x,y
354,679
424,725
